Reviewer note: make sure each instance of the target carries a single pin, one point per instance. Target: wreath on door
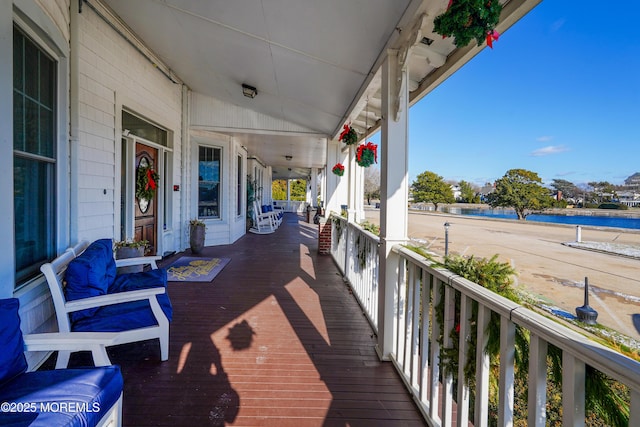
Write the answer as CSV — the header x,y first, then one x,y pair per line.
x,y
146,181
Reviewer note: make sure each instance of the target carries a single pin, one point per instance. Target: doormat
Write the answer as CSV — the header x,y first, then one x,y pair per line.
x,y
193,269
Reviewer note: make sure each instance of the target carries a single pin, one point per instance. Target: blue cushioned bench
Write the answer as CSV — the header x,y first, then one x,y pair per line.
x,y
89,296
63,397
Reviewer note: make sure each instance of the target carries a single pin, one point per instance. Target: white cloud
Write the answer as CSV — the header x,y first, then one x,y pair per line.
x,y
544,138
557,25
548,150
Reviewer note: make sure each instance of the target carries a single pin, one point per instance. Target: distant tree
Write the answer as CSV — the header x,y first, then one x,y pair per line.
x,y
298,189
431,188
603,191
569,189
371,183
521,190
468,192
279,189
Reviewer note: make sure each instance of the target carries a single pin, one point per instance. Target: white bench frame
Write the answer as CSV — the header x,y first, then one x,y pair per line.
x,y
69,342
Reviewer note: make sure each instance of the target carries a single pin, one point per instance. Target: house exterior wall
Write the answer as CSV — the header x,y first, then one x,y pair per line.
x,y
114,76
99,74
231,225
103,69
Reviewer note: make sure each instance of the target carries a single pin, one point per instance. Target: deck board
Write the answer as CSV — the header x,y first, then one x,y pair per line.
x,y
276,339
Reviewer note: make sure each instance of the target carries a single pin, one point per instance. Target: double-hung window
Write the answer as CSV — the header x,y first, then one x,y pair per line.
x,y
209,159
34,155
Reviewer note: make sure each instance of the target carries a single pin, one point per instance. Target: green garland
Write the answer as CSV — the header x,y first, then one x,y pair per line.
x,y
146,182
468,19
367,154
349,135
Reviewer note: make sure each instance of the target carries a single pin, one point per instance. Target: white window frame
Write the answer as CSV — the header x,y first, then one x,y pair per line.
x,y
56,47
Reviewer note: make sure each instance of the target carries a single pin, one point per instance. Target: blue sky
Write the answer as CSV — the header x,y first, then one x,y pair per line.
x,y
559,95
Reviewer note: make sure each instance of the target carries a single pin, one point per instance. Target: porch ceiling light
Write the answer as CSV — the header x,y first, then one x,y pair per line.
x,y
288,157
249,91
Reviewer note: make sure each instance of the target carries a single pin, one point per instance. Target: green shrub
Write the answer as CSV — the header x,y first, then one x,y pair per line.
x,y
611,205
606,400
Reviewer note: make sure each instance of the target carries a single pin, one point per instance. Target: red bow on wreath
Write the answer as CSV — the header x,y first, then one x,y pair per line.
x,y
345,131
150,183
368,146
492,36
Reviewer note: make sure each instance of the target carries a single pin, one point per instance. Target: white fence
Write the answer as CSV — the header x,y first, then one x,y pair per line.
x,y
355,251
430,300
290,205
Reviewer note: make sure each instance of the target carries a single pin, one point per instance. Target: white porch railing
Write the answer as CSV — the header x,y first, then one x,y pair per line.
x,y
416,351
290,205
355,250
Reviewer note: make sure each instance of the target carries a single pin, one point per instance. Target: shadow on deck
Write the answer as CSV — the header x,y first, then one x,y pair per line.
x,y
276,339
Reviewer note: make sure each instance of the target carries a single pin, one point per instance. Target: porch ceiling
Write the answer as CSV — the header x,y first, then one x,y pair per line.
x,y
314,63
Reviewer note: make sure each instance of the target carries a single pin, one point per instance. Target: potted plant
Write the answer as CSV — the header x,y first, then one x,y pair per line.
x,y
197,230
349,135
130,248
469,19
367,154
338,169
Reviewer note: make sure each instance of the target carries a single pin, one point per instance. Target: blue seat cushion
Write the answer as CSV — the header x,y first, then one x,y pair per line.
x,y
12,360
90,274
144,280
130,315
123,317
88,394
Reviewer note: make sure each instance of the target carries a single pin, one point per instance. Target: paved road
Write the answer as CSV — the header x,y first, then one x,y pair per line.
x,y
545,266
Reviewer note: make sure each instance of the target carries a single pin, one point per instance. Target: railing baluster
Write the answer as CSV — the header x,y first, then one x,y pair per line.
x,y
401,327
634,416
447,376
435,354
537,382
481,413
507,378
415,334
408,354
573,377
462,418
424,340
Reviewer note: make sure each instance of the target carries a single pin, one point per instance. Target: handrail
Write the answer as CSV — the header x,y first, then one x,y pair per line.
x,y
604,359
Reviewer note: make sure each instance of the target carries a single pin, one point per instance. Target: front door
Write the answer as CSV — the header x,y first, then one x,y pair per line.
x,y
146,207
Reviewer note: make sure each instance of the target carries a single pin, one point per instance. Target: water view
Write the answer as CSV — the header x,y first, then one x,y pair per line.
x,y
591,220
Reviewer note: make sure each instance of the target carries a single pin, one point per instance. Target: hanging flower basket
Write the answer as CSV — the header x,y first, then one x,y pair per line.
x,y
348,135
469,19
367,154
338,169
146,182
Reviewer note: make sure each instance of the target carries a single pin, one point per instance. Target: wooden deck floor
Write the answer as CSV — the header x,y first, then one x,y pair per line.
x,y
276,339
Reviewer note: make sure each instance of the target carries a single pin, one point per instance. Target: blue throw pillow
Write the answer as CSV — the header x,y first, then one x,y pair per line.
x,y
90,275
12,360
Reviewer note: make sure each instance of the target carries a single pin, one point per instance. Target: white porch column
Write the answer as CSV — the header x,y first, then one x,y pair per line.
x,y
351,168
322,181
359,193
288,195
314,186
336,191
394,191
